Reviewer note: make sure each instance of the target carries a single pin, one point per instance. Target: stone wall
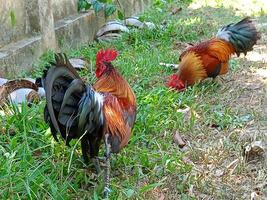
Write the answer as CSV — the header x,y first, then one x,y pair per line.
x,y
9,33
46,24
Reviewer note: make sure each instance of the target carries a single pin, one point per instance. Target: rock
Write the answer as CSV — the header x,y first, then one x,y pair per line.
x,y
112,27
135,22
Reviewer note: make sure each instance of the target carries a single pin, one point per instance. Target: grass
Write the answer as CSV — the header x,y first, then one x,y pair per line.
x,y
34,166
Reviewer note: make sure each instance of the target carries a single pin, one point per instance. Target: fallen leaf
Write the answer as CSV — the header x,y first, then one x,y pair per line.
x,y
187,113
219,172
186,160
179,140
176,10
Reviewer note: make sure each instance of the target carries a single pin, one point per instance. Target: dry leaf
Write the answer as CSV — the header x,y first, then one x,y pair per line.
x,y
187,113
176,10
219,172
186,160
179,140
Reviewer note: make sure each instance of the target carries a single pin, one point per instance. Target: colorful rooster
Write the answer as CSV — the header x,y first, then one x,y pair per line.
x,y
79,111
211,58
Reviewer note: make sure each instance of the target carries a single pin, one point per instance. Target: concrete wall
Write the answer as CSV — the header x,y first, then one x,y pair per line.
x,y
7,32
46,24
63,8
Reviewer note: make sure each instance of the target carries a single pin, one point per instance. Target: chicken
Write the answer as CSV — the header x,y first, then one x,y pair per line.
x,y
77,110
211,58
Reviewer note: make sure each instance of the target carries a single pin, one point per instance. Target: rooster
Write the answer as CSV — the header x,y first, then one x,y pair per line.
x,y
211,58
76,110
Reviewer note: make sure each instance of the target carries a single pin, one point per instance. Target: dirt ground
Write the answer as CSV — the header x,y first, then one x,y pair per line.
x,y
222,170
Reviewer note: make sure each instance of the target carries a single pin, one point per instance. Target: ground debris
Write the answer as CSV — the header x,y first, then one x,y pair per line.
x,y
254,196
174,66
176,10
254,150
187,113
232,166
219,172
179,140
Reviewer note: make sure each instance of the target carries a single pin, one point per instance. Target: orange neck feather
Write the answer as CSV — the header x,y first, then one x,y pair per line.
x,y
191,69
113,83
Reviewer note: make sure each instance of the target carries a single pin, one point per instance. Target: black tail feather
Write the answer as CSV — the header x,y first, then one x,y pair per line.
x,y
242,35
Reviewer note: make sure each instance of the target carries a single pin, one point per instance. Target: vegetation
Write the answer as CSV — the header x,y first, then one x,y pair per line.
x,y
98,5
152,166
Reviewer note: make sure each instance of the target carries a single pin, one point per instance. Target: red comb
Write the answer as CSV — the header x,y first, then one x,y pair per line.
x,y
175,83
107,55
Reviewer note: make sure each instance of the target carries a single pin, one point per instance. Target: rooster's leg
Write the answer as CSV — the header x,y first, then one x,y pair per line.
x,y
96,164
107,167
94,143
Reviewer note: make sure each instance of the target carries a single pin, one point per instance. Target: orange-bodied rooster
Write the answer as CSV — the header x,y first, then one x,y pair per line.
x,y
211,58
77,110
